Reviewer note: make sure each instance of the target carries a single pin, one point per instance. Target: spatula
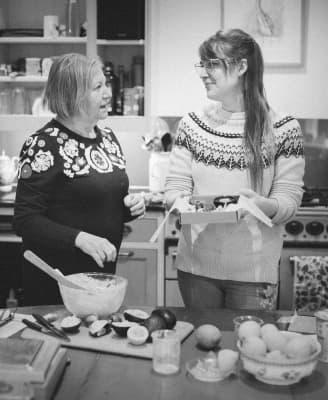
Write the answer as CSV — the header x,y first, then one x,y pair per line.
x,y
38,262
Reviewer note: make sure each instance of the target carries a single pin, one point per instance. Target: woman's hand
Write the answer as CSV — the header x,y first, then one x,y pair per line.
x,y
136,204
267,205
250,194
100,249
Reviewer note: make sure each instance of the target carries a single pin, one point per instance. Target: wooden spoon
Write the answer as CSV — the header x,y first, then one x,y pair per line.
x,y
38,262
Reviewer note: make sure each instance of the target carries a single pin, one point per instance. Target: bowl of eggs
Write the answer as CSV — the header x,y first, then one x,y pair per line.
x,y
276,357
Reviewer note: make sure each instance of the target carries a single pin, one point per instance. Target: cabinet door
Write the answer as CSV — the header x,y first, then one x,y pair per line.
x,y
172,294
139,267
141,230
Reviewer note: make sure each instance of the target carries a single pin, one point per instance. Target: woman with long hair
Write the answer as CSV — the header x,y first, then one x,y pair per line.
x,y
235,145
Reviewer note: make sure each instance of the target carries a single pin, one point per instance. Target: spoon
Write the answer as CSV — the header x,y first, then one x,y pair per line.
x,y
60,278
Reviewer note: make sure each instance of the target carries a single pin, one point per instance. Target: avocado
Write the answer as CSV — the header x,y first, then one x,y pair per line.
x,y
168,316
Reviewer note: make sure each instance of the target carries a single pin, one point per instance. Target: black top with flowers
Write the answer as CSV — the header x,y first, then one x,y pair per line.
x,y
67,184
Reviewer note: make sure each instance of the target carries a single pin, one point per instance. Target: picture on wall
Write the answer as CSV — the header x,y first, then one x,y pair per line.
x,y
278,27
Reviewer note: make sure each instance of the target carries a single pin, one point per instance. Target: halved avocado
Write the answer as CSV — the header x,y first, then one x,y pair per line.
x,y
70,324
168,316
99,328
121,328
135,315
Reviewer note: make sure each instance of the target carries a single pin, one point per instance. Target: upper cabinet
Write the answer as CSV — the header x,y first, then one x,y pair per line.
x,y
34,31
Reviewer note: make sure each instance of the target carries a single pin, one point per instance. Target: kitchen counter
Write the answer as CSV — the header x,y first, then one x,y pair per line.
x,y
94,375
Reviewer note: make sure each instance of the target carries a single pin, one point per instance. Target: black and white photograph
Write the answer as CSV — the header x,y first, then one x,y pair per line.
x,y
163,199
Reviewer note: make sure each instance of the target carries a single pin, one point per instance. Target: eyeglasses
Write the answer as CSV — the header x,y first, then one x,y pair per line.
x,y
212,64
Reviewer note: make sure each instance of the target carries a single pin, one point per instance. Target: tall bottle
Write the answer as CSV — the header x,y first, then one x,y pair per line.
x,y
72,18
120,92
112,83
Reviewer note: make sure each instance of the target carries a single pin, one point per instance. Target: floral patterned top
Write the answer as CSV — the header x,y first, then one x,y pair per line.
x,y
66,184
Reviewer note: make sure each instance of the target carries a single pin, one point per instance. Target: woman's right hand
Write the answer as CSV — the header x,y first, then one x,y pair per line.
x,y
99,248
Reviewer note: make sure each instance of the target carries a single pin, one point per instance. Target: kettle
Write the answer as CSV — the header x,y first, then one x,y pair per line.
x,y
8,170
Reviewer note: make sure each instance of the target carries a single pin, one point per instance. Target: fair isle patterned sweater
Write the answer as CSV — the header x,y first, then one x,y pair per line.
x,y
209,158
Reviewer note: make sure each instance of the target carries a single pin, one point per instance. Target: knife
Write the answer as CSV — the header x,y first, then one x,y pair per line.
x,y
48,325
39,328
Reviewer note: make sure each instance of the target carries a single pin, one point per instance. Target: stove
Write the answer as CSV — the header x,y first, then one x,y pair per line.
x,y
309,227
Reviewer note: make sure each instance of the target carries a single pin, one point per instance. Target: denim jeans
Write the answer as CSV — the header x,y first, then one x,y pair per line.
x,y
202,292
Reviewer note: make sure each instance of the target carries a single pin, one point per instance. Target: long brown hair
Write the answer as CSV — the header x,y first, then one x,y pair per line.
x,y
233,46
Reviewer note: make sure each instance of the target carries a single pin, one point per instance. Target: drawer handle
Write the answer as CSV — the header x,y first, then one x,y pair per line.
x,y
126,253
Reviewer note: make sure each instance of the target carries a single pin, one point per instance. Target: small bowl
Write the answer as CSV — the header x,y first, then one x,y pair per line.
x,y
237,321
103,296
283,372
196,368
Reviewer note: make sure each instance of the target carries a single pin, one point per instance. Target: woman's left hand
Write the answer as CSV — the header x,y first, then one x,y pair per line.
x,y
267,205
136,203
250,194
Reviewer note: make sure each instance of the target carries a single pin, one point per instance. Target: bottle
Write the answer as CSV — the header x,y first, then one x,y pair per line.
x,y
11,301
120,92
72,18
112,83
137,71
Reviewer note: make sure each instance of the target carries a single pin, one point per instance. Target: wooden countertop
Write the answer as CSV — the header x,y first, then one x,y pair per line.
x,y
93,375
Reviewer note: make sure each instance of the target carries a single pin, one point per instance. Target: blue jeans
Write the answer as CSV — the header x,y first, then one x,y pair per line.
x,y
202,292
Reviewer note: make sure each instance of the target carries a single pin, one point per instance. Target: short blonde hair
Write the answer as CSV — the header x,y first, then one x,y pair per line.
x,y
68,83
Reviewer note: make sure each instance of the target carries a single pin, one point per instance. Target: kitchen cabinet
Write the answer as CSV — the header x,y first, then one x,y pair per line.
x,y
142,262
172,292
139,267
17,15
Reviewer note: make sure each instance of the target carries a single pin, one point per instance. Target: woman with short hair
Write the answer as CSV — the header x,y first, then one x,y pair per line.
x,y
72,195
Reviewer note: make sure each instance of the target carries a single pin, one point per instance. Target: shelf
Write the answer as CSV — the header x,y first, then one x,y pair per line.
x,y
23,79
68,40
42,40
104,42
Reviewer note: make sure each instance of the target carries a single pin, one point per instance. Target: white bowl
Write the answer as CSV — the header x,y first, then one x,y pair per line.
x,y
284,372
103,296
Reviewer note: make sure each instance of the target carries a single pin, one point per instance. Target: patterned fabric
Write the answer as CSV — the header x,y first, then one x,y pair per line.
x,y
232,154
67,184
209,158
77,157
310,282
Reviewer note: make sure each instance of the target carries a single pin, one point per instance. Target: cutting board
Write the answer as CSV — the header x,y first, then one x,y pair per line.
x,y
110,343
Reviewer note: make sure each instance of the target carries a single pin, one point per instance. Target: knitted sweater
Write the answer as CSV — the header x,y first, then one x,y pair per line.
x,y
209,158
67,184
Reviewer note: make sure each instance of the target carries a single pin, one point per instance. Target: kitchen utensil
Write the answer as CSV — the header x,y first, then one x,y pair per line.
x,y
103,296
10,317
38,262
162,224
48,325
42,329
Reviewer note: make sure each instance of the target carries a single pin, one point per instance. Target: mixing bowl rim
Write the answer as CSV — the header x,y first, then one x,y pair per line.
x,y
121,280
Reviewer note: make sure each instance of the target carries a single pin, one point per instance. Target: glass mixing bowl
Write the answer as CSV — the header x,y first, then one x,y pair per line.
x,y
103,294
